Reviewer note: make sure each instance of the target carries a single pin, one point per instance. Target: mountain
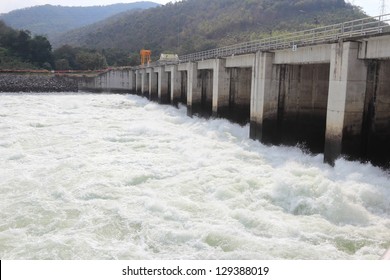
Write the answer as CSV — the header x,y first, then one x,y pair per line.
x,y
53,20
193,25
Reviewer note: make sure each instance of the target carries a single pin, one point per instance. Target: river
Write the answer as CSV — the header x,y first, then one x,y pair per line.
x,y
86,176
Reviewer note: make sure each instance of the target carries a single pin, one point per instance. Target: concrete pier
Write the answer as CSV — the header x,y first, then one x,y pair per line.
x,y
194,89
132,79
138,82
347,87
263,97
221,87
144,83
174,83
164,96
153,84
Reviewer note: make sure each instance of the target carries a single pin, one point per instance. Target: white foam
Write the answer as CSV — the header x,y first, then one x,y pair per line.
x,y
118,177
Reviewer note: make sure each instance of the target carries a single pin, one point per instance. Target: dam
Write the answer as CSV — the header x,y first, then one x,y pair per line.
x,y
325,89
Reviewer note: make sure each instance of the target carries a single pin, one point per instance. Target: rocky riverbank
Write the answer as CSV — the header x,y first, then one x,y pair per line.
x,y
36,83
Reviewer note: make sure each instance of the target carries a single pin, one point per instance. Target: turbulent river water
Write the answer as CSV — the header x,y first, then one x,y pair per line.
x,y
86,176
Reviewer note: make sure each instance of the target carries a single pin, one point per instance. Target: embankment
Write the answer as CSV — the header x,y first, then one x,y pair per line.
x,y
32,82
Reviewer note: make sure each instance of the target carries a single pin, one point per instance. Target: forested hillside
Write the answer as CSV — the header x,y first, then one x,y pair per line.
x,y
193,25
18,49
21,50
51,20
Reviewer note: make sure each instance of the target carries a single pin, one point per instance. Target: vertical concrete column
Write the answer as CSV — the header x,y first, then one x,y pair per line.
x,y
153,87
132,78
104,81
113,81
126,83
163,97
138,81
107,80
263,96
98,83
347,87
221,86
144,82
175,84
126,80
194,90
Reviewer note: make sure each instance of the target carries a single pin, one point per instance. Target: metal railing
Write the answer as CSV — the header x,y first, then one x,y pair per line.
x,y
327,34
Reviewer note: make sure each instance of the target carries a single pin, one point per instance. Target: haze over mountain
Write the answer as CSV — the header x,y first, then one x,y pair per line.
x,y
52,20
194,25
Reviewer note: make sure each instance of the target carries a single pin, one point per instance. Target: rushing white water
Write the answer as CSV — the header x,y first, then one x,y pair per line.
x,y
117,177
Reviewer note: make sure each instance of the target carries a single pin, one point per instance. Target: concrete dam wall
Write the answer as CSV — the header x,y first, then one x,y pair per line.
x,y
331,98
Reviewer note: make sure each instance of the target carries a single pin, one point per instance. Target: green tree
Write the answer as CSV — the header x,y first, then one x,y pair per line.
x,y
90,61
24,49
62,64
21,44
134,59
70,58
40,51
67,53
116,57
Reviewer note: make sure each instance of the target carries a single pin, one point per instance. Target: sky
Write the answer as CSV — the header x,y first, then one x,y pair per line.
x,y
9,5
372,7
